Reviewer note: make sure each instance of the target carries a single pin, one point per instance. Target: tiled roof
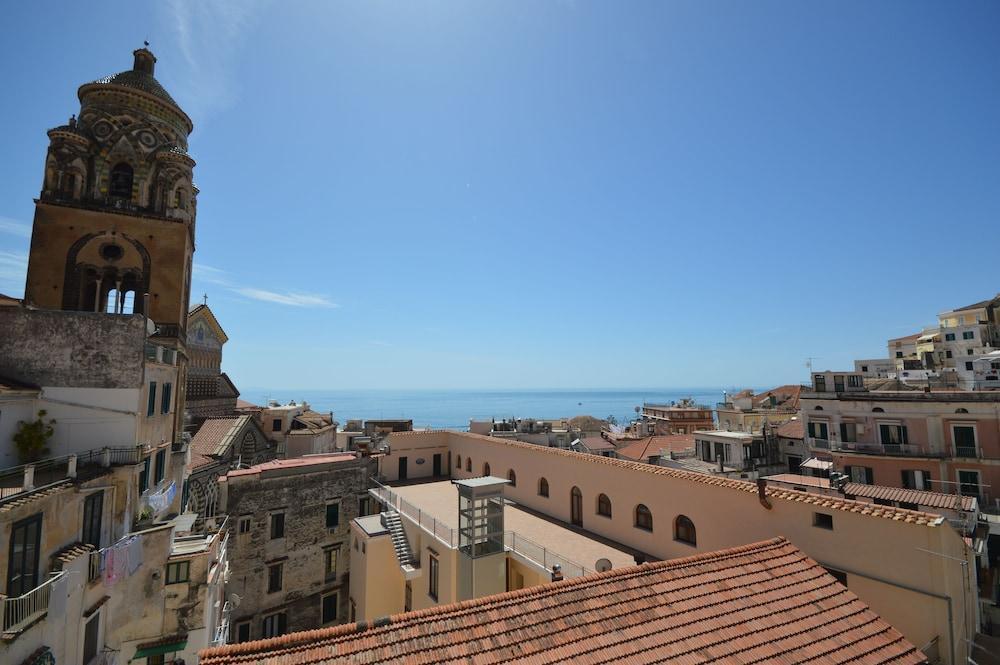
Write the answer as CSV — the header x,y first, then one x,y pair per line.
x,y
765,602
828,502
213,439
793,429
70,552
643,449
786,397
597,443
137,80
26,498
295,462
919,497
995,300
9,300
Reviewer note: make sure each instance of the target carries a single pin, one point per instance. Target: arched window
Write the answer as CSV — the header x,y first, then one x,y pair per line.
x,y
576,506
459,462
684,530
128,302
120,185
878,409
543,487
603,505
112,305
512,477
961,410
643,518
818,408
468,464
486,468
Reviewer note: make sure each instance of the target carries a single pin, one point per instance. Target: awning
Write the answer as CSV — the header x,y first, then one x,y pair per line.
x,y
157,649
813,463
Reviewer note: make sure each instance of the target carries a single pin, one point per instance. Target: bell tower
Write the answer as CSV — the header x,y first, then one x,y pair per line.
x,y
115,220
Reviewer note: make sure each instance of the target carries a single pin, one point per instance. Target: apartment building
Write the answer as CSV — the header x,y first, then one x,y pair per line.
x,y
875,368
289,550
941,440
746,412
682,417
629,508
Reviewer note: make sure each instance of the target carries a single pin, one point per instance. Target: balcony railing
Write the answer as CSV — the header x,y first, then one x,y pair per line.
x,y
37,475
222,632
20,612
815,442
901,449
966,451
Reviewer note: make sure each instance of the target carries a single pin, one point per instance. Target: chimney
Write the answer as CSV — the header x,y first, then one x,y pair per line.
x,y
144,61
557,575
762,493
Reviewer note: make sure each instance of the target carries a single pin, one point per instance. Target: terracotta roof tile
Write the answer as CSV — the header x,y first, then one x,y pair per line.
x,y
643,449
212,438
920,497
793,429
765,602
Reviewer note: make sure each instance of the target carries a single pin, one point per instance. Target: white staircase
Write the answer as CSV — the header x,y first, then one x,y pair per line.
x,y
401,544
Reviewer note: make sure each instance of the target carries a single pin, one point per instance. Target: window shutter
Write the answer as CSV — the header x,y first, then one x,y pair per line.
x,y
869,475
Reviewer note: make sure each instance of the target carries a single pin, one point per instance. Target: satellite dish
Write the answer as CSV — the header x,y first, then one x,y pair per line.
x,y
602,565
150,327
235,600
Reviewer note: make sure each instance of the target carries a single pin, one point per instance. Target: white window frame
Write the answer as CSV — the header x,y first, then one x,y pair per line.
x,y
975,434
244,520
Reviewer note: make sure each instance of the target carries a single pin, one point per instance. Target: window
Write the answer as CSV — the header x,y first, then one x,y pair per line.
x,y
330,558
22,561
949,337
603,505
179,571
274,575
684,530
459,462
161,466
848,432
965,440
855,381
969,334
468,464
364,506
947,353
354,610
899,354
892,435
408,596
968,365
432,577
968,483
277,525
860,474
969,352
819,430
245,523
838,384
821,384
916,480
329,608
120,185
274,625
243,632
144,476
512,477
823,521
276,425
643,518
151,401
486,468
92,508
333,515
91,636
543,487
165,401
878,409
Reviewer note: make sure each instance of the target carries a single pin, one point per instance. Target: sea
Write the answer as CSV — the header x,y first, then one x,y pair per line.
x,y
452,409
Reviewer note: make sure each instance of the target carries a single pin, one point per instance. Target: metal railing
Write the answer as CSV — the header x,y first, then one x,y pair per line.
x,y
21,611
526,547
222,631
903,449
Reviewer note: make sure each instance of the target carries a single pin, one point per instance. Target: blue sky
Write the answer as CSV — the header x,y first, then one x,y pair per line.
x,y
560,194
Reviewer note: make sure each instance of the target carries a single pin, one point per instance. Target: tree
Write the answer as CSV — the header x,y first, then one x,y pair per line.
x,y
32,438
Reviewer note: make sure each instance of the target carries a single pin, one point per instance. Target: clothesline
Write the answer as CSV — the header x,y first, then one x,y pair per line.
x,y
119,559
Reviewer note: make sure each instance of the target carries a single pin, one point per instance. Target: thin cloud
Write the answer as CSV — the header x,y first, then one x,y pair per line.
x,y
13,268
293,299
14,227
209,35
222,278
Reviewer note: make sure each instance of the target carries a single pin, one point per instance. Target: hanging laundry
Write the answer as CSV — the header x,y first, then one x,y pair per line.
x,y
134,554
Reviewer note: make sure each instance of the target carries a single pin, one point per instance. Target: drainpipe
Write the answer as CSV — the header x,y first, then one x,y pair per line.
x,y
762,493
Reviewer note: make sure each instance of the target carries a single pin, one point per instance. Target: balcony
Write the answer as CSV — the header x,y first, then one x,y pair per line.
x,y
814,442
19,613
891,449
966,451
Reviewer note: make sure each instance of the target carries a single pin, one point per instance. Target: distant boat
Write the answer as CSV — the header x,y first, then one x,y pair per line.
x,y
579,403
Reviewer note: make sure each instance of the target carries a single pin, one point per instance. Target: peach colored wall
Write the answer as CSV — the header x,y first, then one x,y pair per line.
x,y
864,546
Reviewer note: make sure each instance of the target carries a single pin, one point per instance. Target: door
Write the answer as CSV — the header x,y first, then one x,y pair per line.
x,y
437,464
793,463
576,507
22,561
402,469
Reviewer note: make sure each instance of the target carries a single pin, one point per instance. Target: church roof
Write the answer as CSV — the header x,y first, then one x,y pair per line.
x,y
204,311
130,78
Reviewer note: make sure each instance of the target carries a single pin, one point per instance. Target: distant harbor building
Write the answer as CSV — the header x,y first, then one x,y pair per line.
x,y
684,417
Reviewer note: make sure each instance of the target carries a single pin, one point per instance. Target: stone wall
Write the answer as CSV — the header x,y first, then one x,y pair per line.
x,y
302,494
77,349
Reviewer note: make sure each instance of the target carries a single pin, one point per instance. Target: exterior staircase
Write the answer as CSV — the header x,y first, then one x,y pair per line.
x,y
401,544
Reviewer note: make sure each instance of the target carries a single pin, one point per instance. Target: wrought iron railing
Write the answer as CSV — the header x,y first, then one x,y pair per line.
x,y
20,611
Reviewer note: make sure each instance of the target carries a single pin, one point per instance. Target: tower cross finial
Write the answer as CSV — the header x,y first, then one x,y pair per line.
x,y
204,298
145,43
